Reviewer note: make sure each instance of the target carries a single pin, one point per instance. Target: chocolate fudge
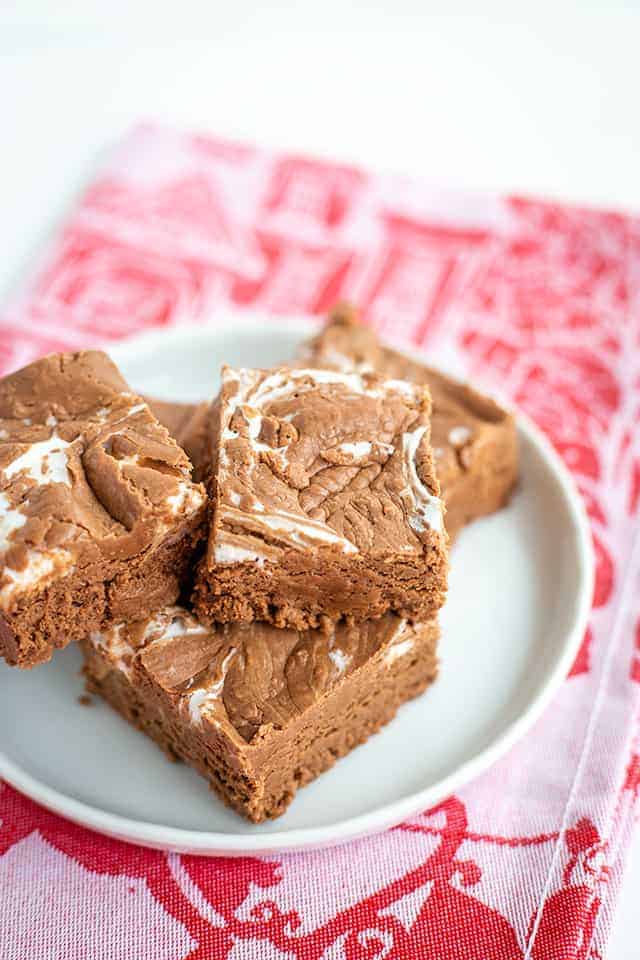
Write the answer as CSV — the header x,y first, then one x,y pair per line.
x,y
325,501
188,424
176,417
474,440
99,517
259,711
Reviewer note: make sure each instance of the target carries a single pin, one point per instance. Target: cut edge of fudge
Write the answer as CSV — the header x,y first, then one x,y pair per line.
x,y
99,517
474,438
325,501
258,711
188,424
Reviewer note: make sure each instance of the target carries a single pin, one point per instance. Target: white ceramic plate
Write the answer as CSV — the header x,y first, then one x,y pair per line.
x,y
520,590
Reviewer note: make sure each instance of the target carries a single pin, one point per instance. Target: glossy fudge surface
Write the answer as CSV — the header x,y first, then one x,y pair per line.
x,y
325,501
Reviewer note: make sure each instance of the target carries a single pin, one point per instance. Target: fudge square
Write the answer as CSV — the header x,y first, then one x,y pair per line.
x,y
325,501
259,711
98,515
474,440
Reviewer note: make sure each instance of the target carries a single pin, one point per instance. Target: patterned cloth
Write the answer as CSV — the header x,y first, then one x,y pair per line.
x,y
535,299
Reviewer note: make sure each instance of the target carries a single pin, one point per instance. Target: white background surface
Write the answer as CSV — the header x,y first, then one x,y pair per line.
x,y
473,97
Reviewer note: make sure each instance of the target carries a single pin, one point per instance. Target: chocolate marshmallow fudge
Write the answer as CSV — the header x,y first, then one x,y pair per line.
x,y
259,711
325,501
99,517
474,440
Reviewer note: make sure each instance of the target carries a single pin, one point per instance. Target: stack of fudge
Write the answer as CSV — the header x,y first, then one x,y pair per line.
x,y
255,582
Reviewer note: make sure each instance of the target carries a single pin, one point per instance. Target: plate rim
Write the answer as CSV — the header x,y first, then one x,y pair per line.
x,y
211,843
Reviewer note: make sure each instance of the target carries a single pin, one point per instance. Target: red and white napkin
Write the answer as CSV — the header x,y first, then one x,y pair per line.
x,y
534,299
